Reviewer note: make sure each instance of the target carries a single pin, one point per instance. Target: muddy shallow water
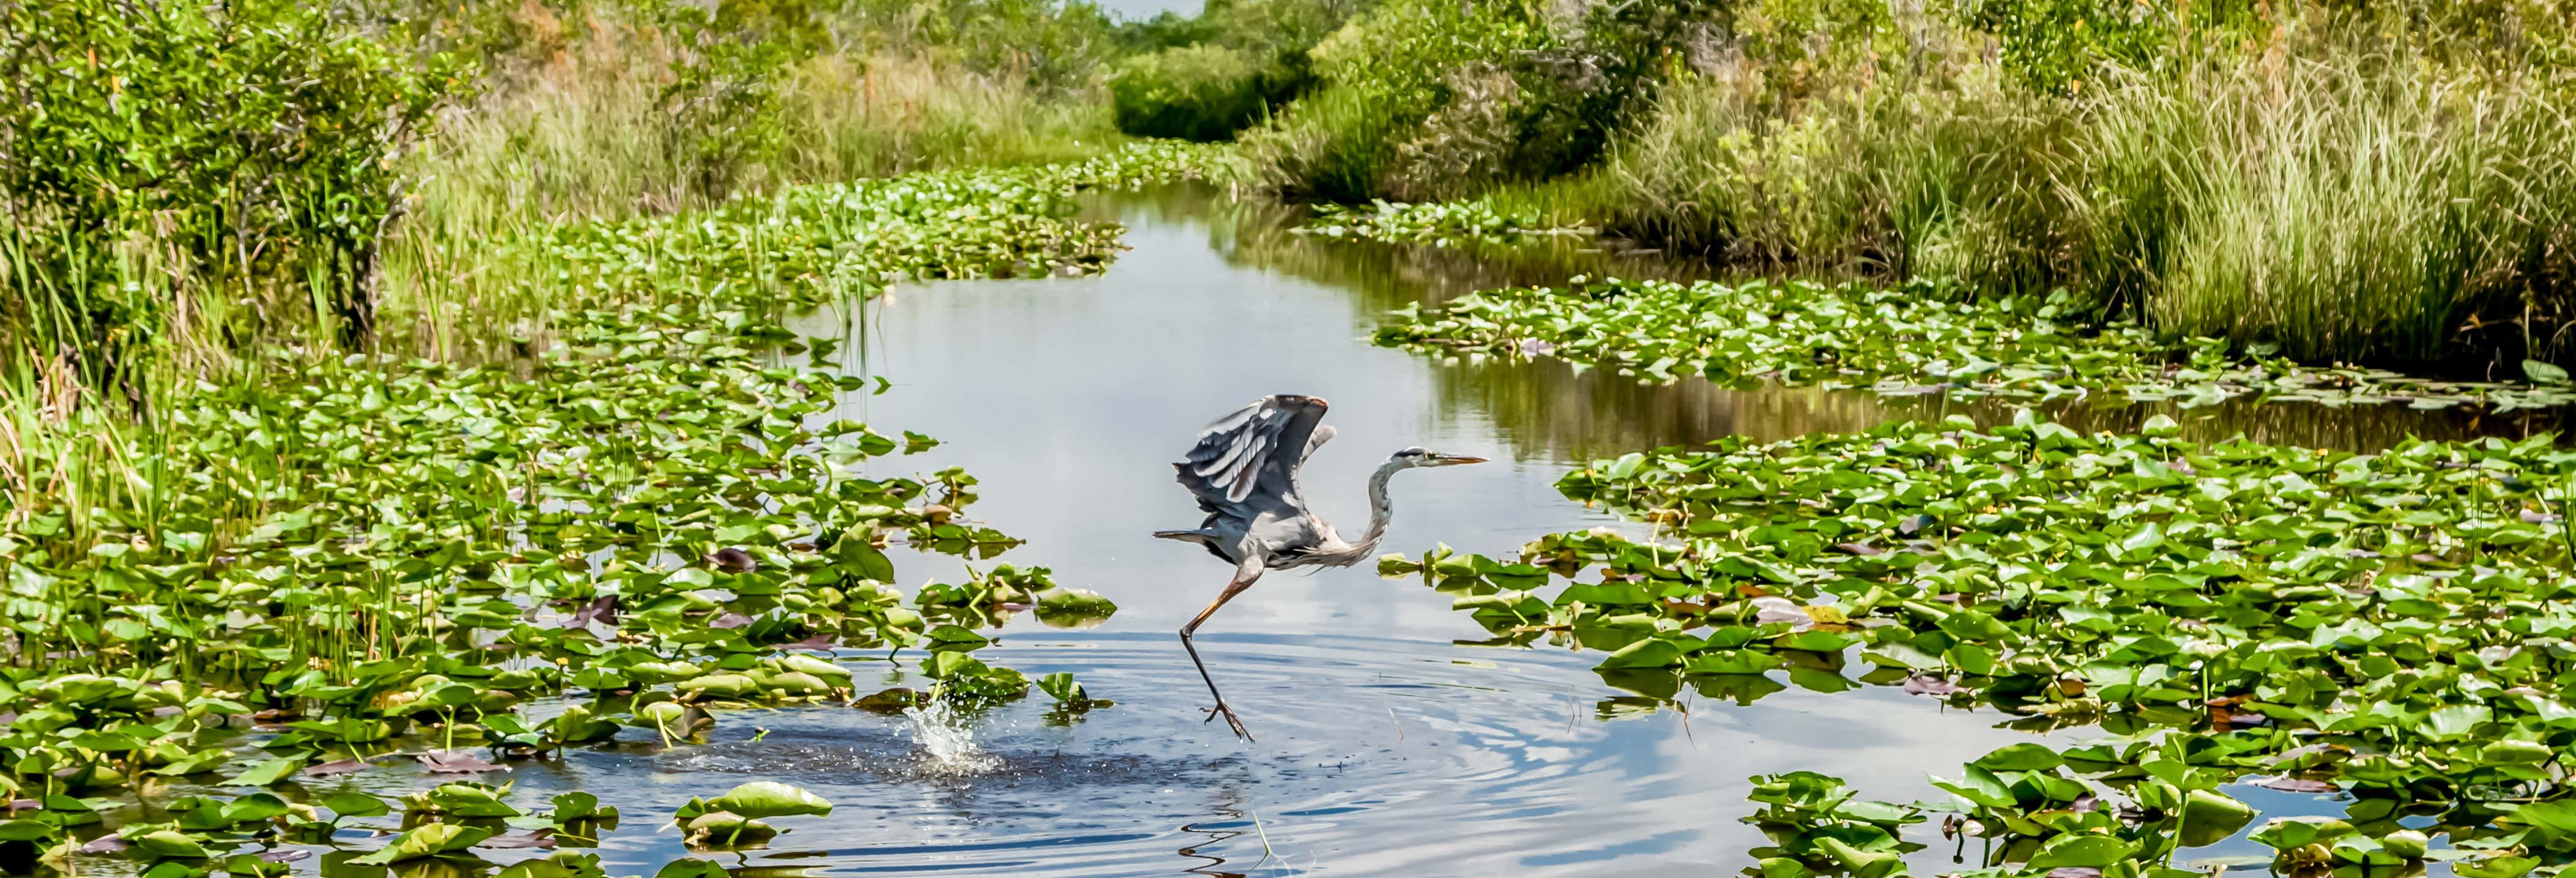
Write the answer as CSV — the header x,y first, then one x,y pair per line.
x,y
1388,742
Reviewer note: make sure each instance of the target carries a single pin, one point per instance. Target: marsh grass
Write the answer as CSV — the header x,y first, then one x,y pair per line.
x,y
587,135
574,129
2351,203
2356,207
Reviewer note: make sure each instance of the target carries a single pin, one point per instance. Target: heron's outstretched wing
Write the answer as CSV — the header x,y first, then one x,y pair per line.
x,y
1246,462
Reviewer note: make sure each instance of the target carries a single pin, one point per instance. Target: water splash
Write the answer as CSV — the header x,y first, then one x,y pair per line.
x,y
947,738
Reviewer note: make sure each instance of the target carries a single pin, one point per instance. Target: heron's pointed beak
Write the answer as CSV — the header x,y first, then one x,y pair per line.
x,y
1454,459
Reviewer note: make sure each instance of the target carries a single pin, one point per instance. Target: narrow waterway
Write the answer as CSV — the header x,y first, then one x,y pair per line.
x,y
1389,743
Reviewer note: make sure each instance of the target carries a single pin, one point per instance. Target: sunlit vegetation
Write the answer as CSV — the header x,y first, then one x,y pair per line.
x,y
648,509
1921,338
1439,223
2346,182
391,386
2232,613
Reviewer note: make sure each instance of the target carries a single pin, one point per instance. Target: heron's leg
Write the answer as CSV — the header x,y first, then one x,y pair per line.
x,y
1243,578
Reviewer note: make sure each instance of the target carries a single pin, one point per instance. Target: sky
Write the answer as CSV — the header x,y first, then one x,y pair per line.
x,y
1144,9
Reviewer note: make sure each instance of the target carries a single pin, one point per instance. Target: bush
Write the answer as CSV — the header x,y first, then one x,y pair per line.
x,y
722,86
1214,74
1383,78
1052,45
1194,93
251,142
1425,99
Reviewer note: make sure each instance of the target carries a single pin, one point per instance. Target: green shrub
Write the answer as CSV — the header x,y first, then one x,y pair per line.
x,y
1053,45
1427,100
722,85
1202,92
243,144
1412,99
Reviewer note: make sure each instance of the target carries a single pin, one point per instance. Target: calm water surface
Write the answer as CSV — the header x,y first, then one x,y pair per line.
x,y
1388,743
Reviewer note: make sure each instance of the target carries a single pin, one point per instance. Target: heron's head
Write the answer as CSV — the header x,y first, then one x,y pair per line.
x,y
1419,456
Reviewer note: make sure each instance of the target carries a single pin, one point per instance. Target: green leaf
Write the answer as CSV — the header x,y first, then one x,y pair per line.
x,y
1061,687
345,805
691,867
2558,816
2081,850
1652,652
267,772
427,840
169,843
1073,608
764,798
2021,757
2210,817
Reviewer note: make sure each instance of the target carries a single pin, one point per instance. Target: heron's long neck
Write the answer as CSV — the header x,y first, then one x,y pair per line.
x,y
1381,508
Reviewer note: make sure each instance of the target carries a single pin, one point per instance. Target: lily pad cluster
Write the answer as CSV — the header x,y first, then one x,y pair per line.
x,y
2393,626
1920,338
814,244
1443,224
645,524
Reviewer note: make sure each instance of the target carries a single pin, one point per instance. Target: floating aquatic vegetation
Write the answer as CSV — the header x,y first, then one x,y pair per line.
x,y
738,818
2394,626
648,514
1443,224
813,244
1915,339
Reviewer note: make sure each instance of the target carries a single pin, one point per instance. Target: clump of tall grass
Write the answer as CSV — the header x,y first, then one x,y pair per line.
x,y
2354,206
2347,202
591,133
1950,181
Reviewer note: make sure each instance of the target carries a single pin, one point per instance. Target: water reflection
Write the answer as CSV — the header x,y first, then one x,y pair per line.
x,y
1551,409
1386,746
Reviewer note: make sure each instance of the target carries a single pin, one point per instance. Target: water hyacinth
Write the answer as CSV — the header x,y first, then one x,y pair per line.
x,y
1913,339
2390,625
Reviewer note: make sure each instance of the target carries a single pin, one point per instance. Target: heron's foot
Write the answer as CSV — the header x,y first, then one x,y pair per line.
x,y
1231,721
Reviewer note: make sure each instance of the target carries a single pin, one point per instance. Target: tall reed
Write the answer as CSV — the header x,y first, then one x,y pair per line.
x,y
2351,202
2351,207
587,133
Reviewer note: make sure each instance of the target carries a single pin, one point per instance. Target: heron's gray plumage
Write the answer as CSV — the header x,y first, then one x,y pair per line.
x,y
1244,471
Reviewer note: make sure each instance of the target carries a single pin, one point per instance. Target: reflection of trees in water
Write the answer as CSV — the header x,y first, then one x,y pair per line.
x,y
1546,408
2355,428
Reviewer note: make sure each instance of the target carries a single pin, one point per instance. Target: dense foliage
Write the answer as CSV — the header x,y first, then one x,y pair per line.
x,y
1200,92
149,145
1918,339
652,512
1209,76
1423,100
2348,182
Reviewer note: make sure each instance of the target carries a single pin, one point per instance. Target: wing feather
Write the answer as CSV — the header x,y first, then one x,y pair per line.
x,y
1246,462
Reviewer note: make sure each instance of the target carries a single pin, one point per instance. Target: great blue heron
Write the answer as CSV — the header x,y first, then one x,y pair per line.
x,y
1244,471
